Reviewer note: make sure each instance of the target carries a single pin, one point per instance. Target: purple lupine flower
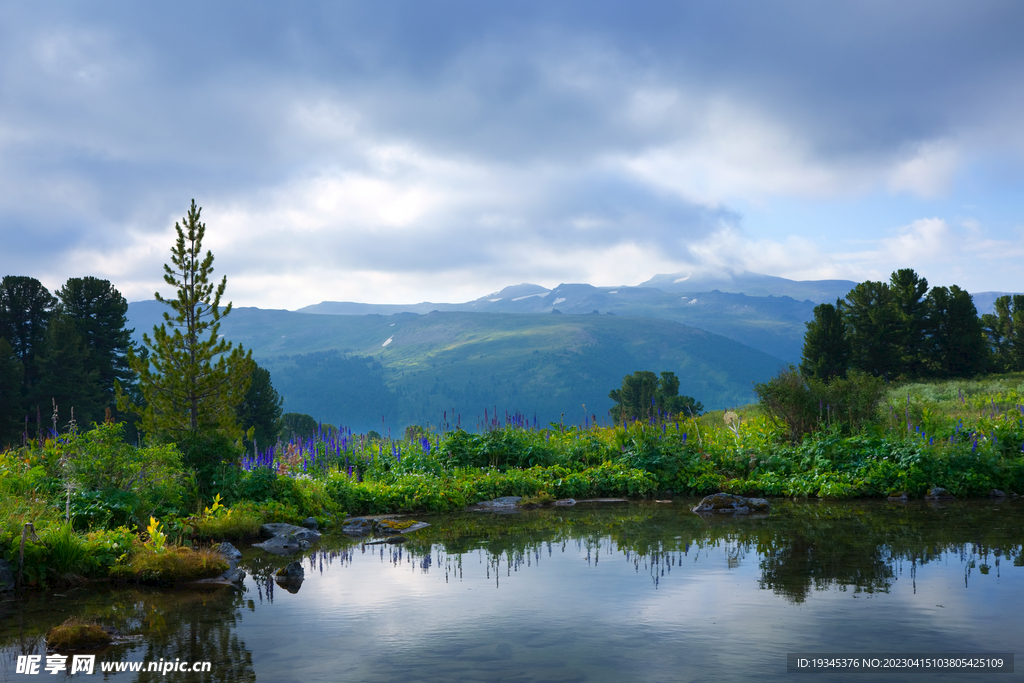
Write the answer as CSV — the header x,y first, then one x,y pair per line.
x,y
425,442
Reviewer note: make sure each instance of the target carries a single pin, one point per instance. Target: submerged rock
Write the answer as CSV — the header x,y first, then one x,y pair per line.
x,y
283,545
503,502
938,493
564,503
293,571
280,529
6,577
357,526
728,504
391,527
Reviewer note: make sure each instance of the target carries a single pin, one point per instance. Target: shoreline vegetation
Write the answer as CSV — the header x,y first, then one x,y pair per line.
x,y
82,506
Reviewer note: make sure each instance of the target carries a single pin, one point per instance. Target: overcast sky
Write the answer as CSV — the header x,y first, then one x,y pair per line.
x,y
410,151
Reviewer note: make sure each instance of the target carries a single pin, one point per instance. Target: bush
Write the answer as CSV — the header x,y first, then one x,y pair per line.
x,y
100,460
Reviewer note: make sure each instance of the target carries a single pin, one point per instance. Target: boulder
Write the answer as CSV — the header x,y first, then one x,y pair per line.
x,y
357,526
392,527
938,493
232,554
310,523
235,575
996,493
505,504
898,497
728,504
293,571
283,545
273,529
6,577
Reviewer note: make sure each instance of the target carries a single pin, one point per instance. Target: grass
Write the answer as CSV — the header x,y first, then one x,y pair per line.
x,y
233,525
77,634
174,564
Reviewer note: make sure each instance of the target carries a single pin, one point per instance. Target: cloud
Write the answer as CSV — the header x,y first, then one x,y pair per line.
x,y
344,150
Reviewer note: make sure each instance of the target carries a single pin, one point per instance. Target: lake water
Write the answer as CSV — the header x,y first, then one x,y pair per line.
x,y
632,592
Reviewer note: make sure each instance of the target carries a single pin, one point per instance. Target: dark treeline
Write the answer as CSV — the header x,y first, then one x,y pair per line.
x,y
71,350
67,350
902,330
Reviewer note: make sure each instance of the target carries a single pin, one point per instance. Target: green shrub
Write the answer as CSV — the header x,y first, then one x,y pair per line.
x,y
234,524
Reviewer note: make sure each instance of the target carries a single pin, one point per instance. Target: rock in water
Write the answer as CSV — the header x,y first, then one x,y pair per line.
x,y
357,526
996,493
293,571
310,523
938,493
283,545
728,504
273,529
232,554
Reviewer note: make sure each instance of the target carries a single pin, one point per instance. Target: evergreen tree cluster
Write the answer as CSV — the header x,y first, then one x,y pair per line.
x,y
67,350
902,330
644,395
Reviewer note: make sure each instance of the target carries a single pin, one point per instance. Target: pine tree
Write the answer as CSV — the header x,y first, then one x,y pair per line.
x,y
11,408
643,395
100,315
908,291
873,324
955,338
826,352
261,409
66,378
193,379
25,310
1005,332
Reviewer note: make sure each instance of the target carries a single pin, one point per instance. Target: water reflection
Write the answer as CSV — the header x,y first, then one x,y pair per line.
x,y
171,626
578,594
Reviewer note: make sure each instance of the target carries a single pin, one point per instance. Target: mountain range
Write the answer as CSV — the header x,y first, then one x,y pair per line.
x,y
545,353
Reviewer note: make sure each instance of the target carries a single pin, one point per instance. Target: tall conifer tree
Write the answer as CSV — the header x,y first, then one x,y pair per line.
x,y
826,352
955,339
193,379
100,315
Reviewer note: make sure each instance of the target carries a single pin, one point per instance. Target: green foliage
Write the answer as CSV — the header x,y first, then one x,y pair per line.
x,y
103,509
213,459
100,460
803,406
501,448
193,379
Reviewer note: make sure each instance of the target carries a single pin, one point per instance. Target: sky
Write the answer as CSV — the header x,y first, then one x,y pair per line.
x,y
438,151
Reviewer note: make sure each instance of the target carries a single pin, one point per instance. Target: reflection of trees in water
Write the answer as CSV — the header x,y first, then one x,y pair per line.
x,y
197,628
174,625
802,547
